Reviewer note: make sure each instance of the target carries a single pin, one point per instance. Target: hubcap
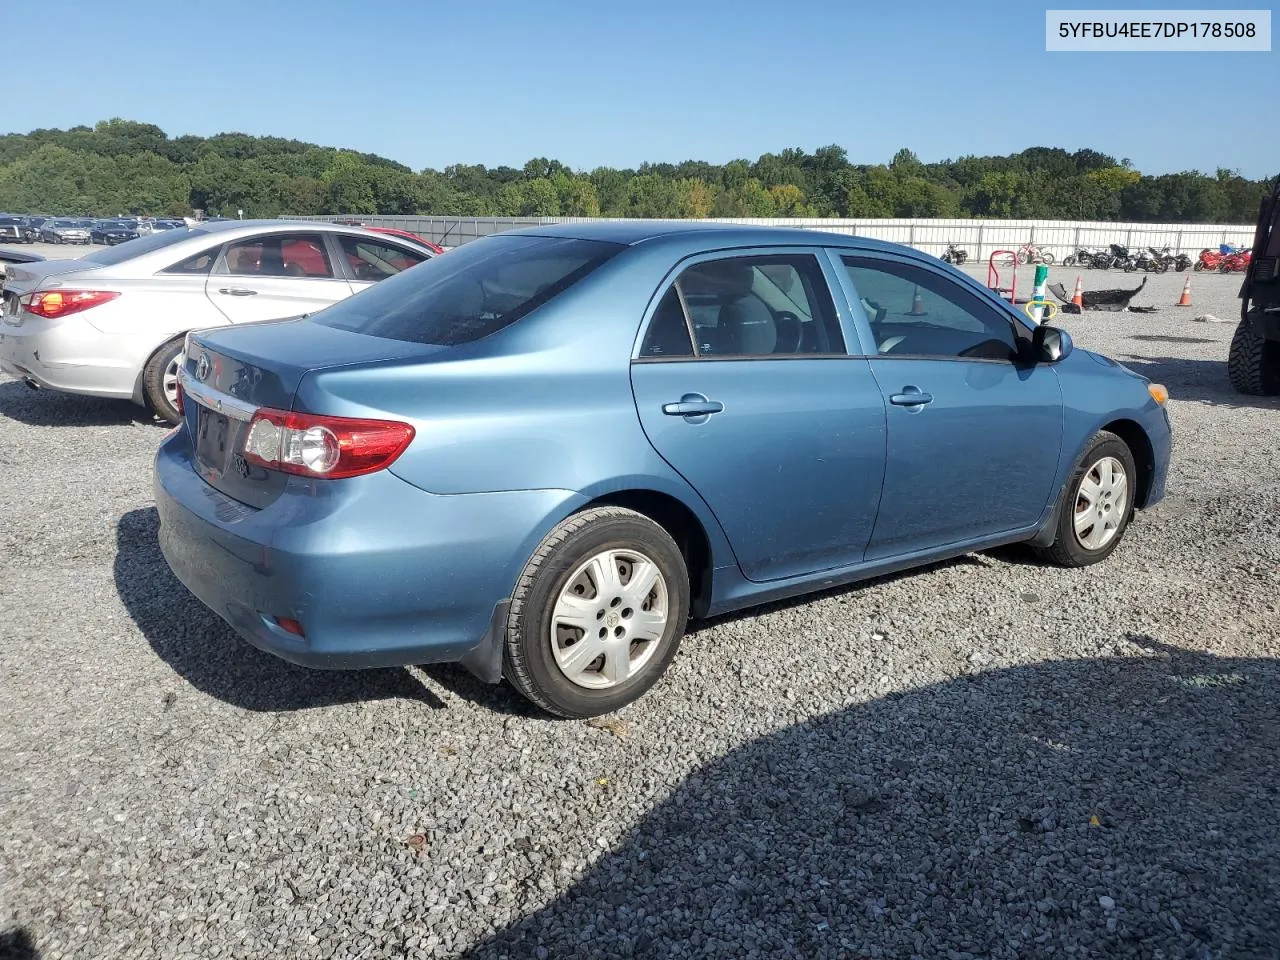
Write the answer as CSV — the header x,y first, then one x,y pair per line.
x,y
609,619
171,381
1102,502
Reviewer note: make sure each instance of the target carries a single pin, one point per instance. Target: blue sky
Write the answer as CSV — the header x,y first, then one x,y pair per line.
x,y
610,83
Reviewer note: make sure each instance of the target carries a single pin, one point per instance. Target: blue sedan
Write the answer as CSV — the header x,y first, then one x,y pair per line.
x,y
540,455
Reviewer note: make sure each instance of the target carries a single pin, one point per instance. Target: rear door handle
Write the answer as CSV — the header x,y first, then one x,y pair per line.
x,y
911,397
237,291
692,406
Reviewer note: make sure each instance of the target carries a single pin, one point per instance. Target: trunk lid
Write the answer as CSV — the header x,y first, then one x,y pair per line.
x,y
231,372
26,277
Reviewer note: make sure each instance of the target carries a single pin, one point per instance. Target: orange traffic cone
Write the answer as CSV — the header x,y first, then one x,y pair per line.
x,y
917,305
1078,297
1185,299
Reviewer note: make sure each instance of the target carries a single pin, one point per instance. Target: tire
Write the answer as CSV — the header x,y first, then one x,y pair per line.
x,y
1130,266
1197,266
1046,258
1020,257
1224,268
153,381
533,651
1253,363
1113,512
1068,261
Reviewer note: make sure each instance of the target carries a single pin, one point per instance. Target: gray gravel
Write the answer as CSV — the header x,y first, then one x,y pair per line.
x,y
985,759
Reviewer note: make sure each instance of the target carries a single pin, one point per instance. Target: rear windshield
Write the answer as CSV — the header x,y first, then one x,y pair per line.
x,y
110,256
474,291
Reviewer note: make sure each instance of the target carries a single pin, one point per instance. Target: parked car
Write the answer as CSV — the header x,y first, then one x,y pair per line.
x,y
63,231
11,230
435,248
539,454
111,232
110,324
31,228
155,226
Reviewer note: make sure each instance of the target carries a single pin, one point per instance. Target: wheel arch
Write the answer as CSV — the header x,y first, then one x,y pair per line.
x,y
1144,457
139,392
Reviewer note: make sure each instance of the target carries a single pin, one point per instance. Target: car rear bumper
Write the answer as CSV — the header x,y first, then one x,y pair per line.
x,y
377,571
69,355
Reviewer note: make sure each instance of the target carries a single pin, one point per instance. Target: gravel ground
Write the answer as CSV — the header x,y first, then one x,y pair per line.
x,y
989,758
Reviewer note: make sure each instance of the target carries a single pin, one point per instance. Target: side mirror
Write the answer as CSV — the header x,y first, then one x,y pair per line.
x,y
1051,344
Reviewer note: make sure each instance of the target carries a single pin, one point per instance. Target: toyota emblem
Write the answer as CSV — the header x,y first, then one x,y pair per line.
x,y
202,367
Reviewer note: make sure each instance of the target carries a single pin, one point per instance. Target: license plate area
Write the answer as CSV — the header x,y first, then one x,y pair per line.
x,y
216,436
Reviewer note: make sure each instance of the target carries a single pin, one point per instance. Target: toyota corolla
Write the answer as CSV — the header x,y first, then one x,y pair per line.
x,y
541,454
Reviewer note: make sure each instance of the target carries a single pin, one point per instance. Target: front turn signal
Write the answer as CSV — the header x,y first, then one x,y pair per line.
x,y
1159,392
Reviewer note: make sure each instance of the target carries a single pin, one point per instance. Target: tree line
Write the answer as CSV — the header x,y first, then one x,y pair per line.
x,y
120,166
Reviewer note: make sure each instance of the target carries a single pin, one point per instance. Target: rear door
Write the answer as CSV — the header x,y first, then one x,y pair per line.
x,y
974,433
275,275
744,386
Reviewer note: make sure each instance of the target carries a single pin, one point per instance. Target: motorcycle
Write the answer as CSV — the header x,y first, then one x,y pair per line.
x,y
1208,260
954,254
1083,257
1237,262
1030,253
1151,260
1182,262
1121,257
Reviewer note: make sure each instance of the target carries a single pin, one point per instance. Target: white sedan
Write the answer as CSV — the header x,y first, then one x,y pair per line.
x,y
111,324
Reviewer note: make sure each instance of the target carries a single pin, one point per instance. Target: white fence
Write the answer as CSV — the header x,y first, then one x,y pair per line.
x,y
979,237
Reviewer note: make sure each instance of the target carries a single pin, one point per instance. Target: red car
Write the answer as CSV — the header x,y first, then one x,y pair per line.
x,y
411,237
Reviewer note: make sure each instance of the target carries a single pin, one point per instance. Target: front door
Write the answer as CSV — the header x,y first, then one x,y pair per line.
x,y
744,387
974,434
273,276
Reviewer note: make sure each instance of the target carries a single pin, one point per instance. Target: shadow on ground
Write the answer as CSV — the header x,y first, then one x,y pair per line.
x,y
48,408
1202,381
208,654
1124,807
17,944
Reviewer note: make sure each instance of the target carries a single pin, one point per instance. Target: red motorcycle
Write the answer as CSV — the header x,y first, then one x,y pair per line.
x,y
1209,260
1236,262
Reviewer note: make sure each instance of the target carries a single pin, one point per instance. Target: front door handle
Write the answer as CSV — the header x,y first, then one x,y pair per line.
x,y
692,405
237,291
911,397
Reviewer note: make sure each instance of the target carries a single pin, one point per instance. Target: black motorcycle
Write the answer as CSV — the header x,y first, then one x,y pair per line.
x,y
1123,258
954,254
1082,257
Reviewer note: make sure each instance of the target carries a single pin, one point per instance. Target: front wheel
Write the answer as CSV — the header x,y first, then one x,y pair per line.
x,y
160,381
1253,363
1197,266
1069,261
1097,504
597,614
1021,257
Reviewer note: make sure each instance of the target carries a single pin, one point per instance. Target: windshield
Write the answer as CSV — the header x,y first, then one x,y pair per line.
x,y
134,248
9,221
63,223
475,291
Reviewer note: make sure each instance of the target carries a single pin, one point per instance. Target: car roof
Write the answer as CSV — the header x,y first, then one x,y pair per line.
x,y
632,232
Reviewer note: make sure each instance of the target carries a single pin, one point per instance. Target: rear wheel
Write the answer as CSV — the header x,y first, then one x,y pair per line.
x,y
1253,363
1097,504
1046,257
160,381
597,614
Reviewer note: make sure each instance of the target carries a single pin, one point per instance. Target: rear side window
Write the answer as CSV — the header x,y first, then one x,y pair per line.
x,y
475,291
373,261
199,264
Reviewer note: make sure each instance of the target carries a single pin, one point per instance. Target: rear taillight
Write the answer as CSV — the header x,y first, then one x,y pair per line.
x,y
312,445
59,303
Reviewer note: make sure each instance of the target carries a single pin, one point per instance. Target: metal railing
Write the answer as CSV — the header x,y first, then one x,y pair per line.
x,y
978,237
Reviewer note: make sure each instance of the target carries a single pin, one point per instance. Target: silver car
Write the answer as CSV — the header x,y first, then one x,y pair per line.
x,y
111,324
63,231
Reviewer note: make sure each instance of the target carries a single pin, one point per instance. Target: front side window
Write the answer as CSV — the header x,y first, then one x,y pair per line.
x,y
918,313
770,305
370,260
478,289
